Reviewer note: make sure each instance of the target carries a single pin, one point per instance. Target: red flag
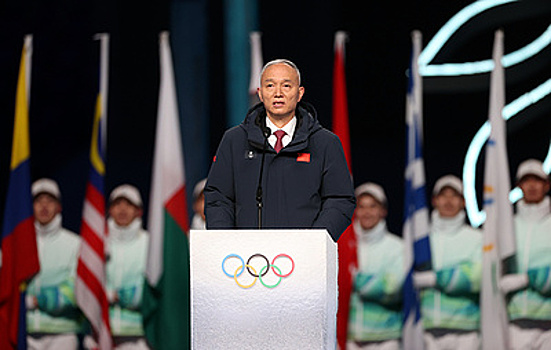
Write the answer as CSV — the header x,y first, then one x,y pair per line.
x,y
347,244
348,264
18,239
340,102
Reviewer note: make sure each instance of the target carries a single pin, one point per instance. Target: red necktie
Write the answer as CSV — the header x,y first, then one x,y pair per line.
x,y
279,144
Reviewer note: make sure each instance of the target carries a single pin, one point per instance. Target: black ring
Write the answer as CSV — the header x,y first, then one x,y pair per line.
x,y
267,264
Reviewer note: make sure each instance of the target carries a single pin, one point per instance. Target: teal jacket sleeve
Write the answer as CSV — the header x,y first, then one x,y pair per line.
x,y
462,279
384,288
57,300
130,297
540,280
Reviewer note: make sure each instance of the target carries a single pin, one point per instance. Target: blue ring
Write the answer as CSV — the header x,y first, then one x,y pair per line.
x,y
242,265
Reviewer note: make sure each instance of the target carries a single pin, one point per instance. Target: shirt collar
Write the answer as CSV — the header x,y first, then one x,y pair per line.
x,y
289,128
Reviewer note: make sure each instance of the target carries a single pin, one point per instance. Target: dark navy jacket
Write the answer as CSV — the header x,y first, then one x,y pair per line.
x,y
306,185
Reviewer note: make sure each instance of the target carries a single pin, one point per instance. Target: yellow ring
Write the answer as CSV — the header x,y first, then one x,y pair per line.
x,y
239,284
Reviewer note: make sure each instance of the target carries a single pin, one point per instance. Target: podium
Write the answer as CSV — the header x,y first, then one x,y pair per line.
x,y
263,289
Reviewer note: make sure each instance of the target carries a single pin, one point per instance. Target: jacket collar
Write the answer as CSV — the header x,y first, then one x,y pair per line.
x,y
536,211
50,229
307,124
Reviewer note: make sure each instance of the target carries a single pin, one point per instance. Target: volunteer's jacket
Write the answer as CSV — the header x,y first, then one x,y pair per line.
x,y
533,238
376,300
51,305
127,258
306,185
456,250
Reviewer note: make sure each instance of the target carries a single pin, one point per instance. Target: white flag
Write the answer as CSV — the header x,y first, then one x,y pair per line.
x,y
256,67
499,239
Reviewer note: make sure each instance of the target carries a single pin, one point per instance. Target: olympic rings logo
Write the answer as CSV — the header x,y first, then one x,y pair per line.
x,y
257,275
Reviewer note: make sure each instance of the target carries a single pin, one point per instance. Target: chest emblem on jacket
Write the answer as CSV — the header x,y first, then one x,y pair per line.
x,y
303,157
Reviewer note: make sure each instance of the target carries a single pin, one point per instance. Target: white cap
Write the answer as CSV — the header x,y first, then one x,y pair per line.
x,y
373,190
448,181
198,189
531,167
48,186
127,192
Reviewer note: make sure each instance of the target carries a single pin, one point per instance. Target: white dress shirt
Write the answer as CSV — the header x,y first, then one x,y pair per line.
x,y
289,129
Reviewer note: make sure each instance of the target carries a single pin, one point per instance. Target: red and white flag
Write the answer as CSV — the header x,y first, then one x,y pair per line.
x,y
90,282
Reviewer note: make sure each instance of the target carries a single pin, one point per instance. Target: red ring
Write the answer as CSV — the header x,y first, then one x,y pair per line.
x,y
284,256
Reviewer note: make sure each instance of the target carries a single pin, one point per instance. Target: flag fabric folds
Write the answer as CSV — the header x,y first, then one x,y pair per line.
x,y
416,214
256,67
19,250
499,236
90,282
340,102
166,305
347,244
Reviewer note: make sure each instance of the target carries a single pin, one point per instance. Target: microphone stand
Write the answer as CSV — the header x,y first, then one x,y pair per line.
x,y
259,203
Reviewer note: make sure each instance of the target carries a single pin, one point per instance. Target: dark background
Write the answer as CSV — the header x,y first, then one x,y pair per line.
x,y
64,84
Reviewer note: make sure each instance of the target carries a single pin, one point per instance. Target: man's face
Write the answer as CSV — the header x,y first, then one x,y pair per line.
x,y
45,208
280,91
533,188
448,202
124,212
369,212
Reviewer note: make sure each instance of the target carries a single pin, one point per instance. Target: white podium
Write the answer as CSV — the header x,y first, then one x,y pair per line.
x,y
285,297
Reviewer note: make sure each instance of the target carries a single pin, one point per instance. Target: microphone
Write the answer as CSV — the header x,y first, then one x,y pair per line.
x,y
267,132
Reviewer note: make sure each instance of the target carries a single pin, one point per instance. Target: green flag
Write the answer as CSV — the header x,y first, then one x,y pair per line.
x,y
166,307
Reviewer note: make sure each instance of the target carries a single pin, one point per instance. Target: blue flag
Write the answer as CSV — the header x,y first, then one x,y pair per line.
x,y
416,218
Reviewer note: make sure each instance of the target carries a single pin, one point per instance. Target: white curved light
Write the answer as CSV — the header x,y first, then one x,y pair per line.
x,y
476,216
477,67
453,25
485,66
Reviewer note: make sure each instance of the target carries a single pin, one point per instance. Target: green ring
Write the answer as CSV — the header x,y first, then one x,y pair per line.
x,y
260,276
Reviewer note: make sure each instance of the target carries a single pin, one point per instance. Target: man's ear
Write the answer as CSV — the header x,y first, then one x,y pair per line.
x,y
300,92
259,94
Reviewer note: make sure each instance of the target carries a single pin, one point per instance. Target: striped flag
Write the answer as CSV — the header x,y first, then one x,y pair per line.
x,y
90,281
347,244
165,304
499,237
19,250
416,217
256,67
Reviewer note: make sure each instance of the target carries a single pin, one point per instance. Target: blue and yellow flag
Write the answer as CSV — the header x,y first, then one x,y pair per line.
x,y
19,250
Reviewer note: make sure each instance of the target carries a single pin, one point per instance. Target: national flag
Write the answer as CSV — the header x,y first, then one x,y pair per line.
x,y
19,250
165,303
256,67
499,236
347,244
416,214
90,290
340,102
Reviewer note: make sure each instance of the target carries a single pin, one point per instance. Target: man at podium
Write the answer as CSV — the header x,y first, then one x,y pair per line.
x,y
280,168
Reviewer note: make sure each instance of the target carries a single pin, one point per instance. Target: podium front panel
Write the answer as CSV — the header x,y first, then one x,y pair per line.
x,y
292,304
